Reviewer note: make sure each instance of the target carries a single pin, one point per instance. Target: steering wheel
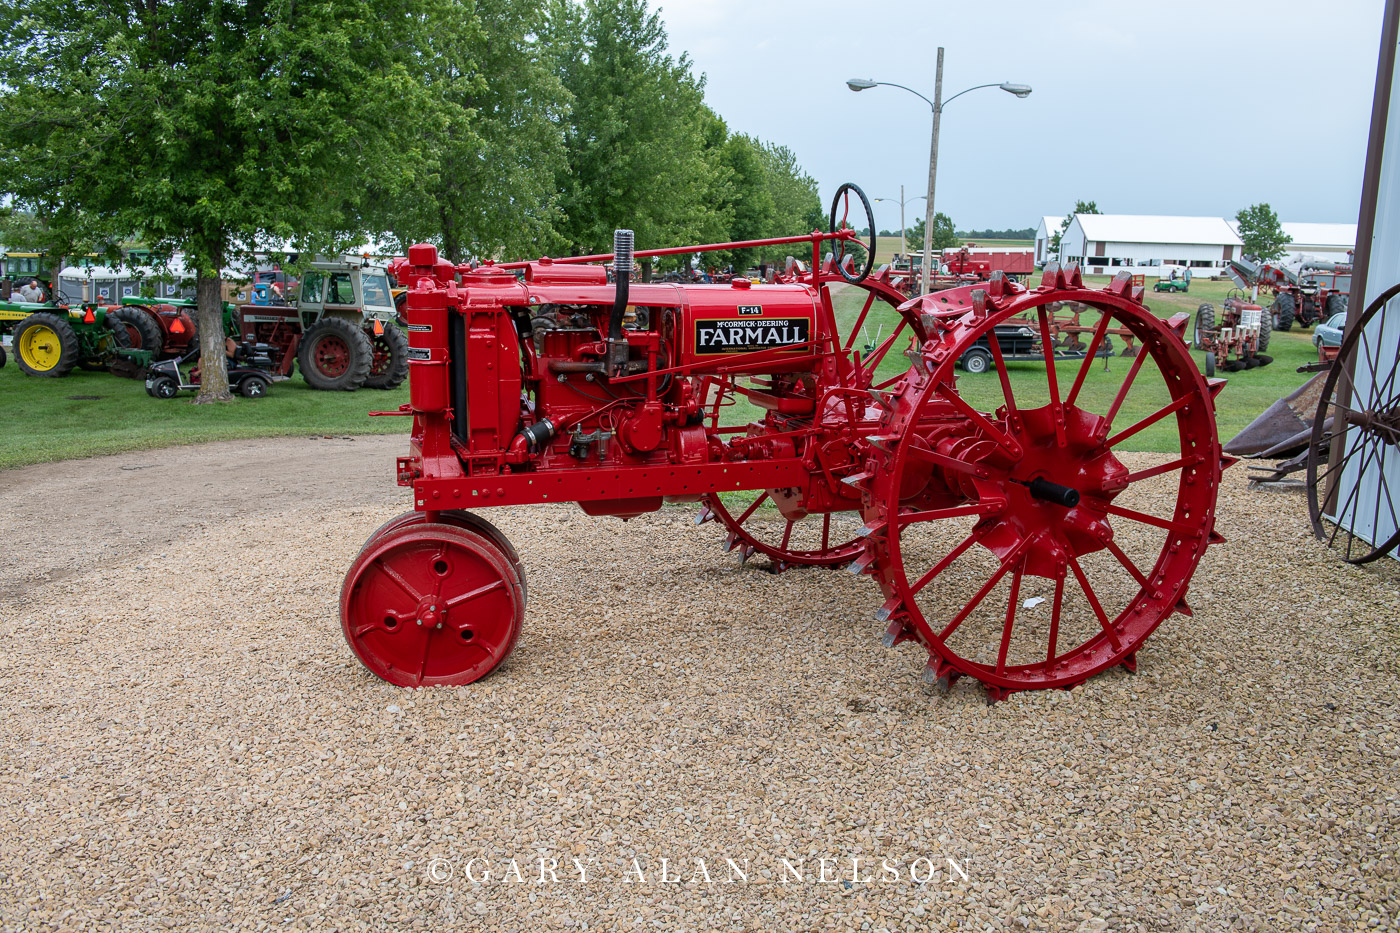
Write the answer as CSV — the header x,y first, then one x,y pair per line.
x,y
842,203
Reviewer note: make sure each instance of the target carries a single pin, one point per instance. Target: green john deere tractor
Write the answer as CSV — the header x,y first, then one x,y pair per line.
x,y
49,340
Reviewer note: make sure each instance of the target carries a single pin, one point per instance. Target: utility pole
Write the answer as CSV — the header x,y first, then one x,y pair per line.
x,y
932,175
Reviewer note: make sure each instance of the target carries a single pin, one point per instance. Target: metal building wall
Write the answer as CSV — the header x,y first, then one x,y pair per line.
x,y
1365,491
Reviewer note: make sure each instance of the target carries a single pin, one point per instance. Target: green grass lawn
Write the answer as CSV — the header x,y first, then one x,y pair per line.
x,y
47,419
43,419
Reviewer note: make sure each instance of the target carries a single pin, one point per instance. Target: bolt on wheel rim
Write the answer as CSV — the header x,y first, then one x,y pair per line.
x,y
40,347
431,604
331,355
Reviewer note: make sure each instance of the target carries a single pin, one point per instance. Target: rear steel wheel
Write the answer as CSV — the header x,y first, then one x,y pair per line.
x,y
1356,441
431,604
869,327
1029,507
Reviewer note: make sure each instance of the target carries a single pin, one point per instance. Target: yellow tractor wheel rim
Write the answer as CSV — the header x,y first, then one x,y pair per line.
x,y
40,347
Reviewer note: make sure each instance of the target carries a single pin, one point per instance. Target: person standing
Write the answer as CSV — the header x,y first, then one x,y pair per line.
x,y
31,292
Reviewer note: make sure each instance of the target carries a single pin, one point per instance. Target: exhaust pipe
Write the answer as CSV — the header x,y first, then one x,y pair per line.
x,y
622,270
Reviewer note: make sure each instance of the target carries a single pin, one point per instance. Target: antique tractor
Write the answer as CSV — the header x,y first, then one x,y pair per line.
x,y
544,381
50,340
1238,340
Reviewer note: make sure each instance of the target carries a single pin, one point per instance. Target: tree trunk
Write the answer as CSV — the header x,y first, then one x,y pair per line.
x,y
213,367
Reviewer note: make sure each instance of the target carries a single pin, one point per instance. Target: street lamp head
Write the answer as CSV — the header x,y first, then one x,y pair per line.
x,y
1020,90
860,84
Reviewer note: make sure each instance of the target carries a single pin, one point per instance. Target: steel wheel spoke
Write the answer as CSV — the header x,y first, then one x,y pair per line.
x,y
1164,468
1123,389
977,418
826,530
1010,615
454,601
1048,351
750,510
929,456
855,329
1094,603
1089,358
1127,563
947,560
403,584
1055,614
1351,497
933,515
994,342
877,356
1142,517
1012,559
427,650
1149,420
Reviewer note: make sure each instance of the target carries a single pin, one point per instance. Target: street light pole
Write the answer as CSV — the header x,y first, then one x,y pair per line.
x,y
865,84
932,175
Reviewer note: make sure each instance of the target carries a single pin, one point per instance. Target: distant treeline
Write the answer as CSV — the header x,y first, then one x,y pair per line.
x,y
1026,234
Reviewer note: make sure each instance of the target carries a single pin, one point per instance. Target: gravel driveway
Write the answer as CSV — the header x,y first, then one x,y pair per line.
x,y
189,744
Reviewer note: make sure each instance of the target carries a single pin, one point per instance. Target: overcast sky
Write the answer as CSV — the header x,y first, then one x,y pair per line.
x,y
1147,108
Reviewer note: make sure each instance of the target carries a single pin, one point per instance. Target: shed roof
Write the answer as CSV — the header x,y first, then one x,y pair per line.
x,y
1051,224
1156,228
1335,236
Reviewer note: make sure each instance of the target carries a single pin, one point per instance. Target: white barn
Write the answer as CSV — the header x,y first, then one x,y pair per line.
x,y
1149,244
1334,242
1045,233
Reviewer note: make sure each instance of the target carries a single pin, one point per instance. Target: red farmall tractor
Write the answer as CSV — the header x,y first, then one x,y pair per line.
x,y
1008,537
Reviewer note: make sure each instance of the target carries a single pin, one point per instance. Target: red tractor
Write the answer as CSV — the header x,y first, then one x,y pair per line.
x,y
1312,291
164,327
543,381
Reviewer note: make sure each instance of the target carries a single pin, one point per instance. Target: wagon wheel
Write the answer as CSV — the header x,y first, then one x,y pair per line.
x,y
1361,413
752,524
1032,503
428,604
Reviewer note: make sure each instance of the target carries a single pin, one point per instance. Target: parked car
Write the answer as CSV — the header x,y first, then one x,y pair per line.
x,y
1329,332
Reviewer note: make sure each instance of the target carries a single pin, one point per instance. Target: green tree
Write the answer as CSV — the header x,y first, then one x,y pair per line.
x,y
944,234
486,186
1080,207
797,207
215,128
1261,232
635,142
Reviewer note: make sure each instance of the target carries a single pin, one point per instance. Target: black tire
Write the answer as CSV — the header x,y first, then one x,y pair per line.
x,y
1210,365
1336,304
1263,359
253,387
67,345
164,387
3,357
389,368
1265,331
335,355
1205,323
142,332
1283,309
977,361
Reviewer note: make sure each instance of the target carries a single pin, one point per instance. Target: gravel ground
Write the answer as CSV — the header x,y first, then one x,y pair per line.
x,y
188,743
